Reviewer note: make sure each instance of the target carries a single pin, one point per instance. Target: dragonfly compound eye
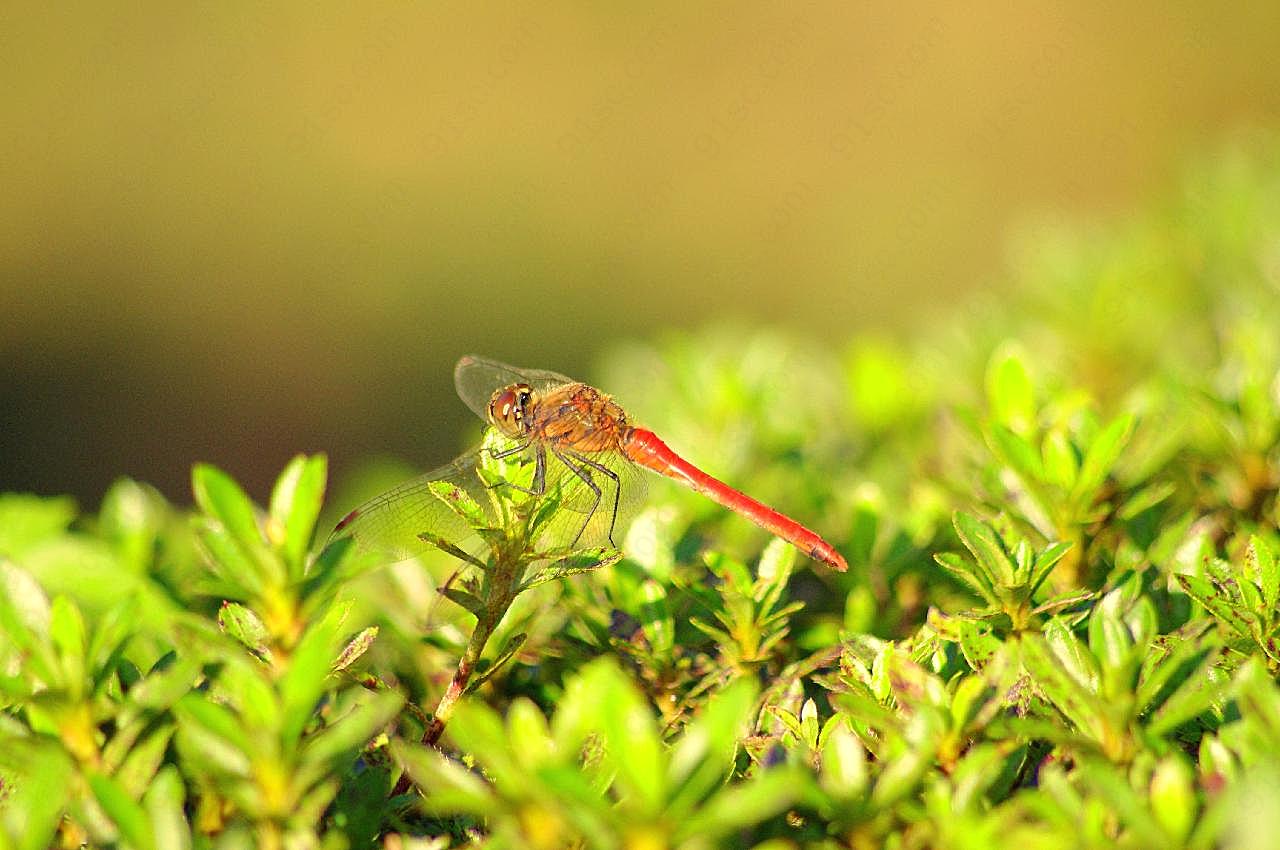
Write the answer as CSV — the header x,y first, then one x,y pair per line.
x,y
507,409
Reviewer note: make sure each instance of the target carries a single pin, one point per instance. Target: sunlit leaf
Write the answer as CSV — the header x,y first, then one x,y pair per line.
x,y
988,549
295,505
129,817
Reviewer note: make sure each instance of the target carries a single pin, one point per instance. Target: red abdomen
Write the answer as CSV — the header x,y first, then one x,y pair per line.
x,y
644,448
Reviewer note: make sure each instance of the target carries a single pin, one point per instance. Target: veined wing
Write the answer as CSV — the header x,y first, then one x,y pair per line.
x,y
389,523
576,477
477,378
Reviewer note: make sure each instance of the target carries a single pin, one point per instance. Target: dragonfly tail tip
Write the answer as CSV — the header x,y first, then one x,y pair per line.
x,y
830,557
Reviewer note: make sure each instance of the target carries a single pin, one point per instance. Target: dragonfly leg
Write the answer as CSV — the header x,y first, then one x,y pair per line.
x,y
539,481
509,451
617,487
583,474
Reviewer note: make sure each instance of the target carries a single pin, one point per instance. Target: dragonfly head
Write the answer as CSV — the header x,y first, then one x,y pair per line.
x,y
508,408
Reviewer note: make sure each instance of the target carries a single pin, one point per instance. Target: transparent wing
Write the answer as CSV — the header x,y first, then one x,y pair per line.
x,y
389,523
477,378
598,492
595,494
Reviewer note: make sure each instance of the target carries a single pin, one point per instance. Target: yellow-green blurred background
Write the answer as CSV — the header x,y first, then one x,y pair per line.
x,y
231,232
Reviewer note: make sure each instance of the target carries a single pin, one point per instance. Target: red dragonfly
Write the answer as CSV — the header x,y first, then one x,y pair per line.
x,y
577,439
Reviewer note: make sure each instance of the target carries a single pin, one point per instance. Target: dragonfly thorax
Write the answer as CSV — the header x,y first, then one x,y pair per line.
x,y
508,409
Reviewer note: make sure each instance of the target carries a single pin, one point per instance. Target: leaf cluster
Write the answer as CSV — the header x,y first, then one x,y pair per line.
x,y
1059,628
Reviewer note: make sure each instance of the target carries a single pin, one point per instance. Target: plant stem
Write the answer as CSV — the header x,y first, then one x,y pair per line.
x,y
498,592
458,685
448,700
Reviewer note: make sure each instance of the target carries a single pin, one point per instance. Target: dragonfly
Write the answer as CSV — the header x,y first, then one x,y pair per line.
x,y
568,437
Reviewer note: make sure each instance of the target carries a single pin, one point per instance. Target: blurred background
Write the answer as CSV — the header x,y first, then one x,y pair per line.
x,y
231,233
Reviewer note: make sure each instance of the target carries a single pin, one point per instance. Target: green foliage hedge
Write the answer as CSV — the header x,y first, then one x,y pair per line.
x,y
1059,628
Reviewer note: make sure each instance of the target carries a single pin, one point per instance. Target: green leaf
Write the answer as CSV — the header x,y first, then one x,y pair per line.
x,y
982,767
1215,600
449,548
228,560
131,517
1258,701
862,706
460,502
866,527
355,648
527,727
129,817
703,756
651,541
1146,498
67,632
972,694
843,773
1061,464
508,651
243,625
633,747
773,572
977,643
295,504
583,561
790,721
245,686
25,611
1073,655
716,634
544,512
212,735
1044,565
1216,761
731,571
1194,696
901,777
1076,701
27,520
740,805
655,619
1062,601
1142,620
220,497
1251,596
1101,457
347,735
1173,796
1009,389
971,576
33,806
163,803
308,674
479,731
988,549
167,681
1020,455
140,766
451,789
105,654
469,601
1109,640
1168,667
1112,786
1267,571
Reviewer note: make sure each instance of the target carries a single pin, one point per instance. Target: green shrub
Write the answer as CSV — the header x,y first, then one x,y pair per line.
x,y
1059,627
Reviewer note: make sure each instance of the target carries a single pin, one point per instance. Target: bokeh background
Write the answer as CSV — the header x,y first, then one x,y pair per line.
x,y
233,232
